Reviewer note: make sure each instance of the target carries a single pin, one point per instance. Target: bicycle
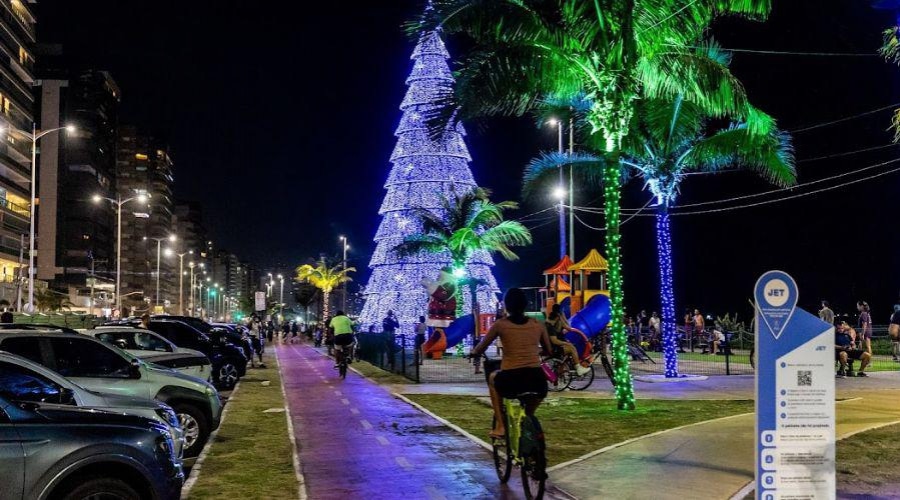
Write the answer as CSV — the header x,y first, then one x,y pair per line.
x,y
345,357
567,376
522,445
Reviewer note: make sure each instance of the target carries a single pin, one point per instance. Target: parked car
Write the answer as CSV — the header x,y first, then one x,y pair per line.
x,y
228,360
237,335
154,348
59,451
23,381
101,367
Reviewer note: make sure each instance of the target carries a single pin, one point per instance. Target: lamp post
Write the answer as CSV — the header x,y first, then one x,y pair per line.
x,y
159,241
345,245
181,279
34,138
191,288
562,214
281,292
118,202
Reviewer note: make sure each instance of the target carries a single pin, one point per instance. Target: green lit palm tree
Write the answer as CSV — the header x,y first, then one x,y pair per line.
x,y
669,140
468,223
324,278
612,51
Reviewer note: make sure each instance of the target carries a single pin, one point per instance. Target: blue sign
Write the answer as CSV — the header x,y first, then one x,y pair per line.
x,y
794,395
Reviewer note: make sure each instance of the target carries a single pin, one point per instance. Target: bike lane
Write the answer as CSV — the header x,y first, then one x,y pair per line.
x,y
355,440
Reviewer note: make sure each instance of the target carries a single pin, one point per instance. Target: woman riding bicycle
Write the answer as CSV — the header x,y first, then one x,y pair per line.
x,y
520,368
557,328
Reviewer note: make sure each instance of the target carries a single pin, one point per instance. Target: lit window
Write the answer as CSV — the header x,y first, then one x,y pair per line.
x,y
141,156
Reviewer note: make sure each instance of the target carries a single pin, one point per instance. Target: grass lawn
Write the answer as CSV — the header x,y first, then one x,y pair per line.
x,y
867,462
575,427
880,363
252,454
378,375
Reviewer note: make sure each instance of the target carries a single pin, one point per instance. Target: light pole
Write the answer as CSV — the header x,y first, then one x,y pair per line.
x,y
562,213
159,241
141,197
34,138
345,245
209,289
181,278
571,189
281,292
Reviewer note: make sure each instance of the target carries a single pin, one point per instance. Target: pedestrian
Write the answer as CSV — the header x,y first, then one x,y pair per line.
x,y
145,321
256,335
826,314
389,324
421,330
689,327
865,327
699,323
285,330
295,331
7,318
653,324
893,331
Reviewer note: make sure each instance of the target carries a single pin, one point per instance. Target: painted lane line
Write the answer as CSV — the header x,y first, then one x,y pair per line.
x,y
366,425
338,393
345,401
403,462
434,494
382,440
354,411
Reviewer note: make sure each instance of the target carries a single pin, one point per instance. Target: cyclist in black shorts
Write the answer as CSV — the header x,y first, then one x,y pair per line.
x,y
520,368
342,326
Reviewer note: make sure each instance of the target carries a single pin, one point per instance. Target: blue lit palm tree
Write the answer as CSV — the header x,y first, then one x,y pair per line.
x,y
670,139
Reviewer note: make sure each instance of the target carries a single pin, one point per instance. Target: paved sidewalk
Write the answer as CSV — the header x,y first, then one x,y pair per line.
x,y
355,440
712,460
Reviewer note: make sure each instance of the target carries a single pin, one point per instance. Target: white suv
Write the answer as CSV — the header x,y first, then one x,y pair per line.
x,y
154,348
22,381
104,368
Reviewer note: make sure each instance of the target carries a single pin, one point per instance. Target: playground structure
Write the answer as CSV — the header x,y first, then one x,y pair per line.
x,y
566,283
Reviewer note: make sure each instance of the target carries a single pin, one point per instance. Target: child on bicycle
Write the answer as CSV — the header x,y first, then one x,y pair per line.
x,y
557,327
520,368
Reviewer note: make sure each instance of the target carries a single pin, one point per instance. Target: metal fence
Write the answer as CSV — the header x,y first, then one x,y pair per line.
x,y
395,353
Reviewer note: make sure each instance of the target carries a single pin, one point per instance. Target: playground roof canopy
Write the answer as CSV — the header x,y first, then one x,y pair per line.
x,y
563,285
561,267
592,262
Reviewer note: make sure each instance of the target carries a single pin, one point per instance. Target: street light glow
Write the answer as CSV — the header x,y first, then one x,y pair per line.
x,y
169,252
173,238
96,198
142,197
559,193
71,129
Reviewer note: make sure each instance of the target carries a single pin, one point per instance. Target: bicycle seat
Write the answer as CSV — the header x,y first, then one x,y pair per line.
x,y
527,395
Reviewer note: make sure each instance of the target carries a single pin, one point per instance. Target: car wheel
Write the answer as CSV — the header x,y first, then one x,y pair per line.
x,y
227,375
194,426
102,488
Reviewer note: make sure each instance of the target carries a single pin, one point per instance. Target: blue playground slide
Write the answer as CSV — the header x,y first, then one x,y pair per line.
x,y
591,320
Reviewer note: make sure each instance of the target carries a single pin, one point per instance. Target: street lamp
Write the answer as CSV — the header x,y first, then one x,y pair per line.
x,y
562,214
169,251
34,138
345,245
281,297
171,238
141,197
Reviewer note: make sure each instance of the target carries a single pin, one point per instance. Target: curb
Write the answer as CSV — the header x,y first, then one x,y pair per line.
x,y
198,464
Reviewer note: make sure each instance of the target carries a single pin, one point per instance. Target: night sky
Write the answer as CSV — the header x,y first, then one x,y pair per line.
x,y
281,125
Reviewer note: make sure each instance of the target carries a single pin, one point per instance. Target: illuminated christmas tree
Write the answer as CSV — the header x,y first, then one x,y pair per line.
x,y
424,171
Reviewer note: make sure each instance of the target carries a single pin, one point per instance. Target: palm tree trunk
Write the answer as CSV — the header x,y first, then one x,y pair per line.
x,y
326,309
612,178
666,289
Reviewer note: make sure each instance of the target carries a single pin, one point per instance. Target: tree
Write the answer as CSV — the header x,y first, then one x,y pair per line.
x,y
305,294
669,139
48,300
610,50
324,278
467,223
424,169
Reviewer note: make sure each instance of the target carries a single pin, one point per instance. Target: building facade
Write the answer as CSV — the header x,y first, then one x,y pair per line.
x,y
17,40
76,235
143,163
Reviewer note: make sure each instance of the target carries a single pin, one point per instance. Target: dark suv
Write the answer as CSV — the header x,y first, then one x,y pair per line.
x,y
228,360
69,453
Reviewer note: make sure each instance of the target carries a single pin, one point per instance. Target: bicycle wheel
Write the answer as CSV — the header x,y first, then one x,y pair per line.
x,y
607,367
563,377
581,382
502,456
534,460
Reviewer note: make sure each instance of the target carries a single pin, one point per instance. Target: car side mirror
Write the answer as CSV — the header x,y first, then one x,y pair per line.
x,y
134,370
66,396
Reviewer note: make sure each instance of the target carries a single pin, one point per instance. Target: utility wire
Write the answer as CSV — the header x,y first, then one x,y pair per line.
x,y
848,153
792,52
848,118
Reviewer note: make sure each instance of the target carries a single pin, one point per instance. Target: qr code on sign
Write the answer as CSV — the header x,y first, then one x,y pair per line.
x,y
804,377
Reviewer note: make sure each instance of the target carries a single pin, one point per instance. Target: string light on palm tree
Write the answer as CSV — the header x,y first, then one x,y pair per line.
x,y
324,278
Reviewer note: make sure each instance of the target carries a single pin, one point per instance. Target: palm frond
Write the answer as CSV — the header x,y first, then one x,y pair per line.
x,y
769,155
542,168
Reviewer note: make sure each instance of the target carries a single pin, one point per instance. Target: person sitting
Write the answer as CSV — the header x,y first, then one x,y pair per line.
x,y
844,351
557,327
520,368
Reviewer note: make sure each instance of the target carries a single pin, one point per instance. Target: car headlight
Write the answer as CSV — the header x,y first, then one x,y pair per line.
x,y
169,417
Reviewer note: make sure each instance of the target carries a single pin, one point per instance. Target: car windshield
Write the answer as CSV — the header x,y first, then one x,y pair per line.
x,y
135,340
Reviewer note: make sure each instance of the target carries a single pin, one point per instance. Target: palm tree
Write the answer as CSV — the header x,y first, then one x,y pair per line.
x,y
48,300
468,223
669,140
325,279
610,50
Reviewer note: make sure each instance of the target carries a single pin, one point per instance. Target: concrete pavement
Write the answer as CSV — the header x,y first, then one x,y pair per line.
x,y
355,440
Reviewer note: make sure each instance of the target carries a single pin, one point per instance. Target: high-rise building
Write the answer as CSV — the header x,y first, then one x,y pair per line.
x,y
75,234
17,39
143,163
187,224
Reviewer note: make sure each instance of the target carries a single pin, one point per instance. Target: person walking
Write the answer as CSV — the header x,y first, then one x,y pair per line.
x,y
421,330
826,314
389,324
865,328
295,331
699,324
894,332
256,333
